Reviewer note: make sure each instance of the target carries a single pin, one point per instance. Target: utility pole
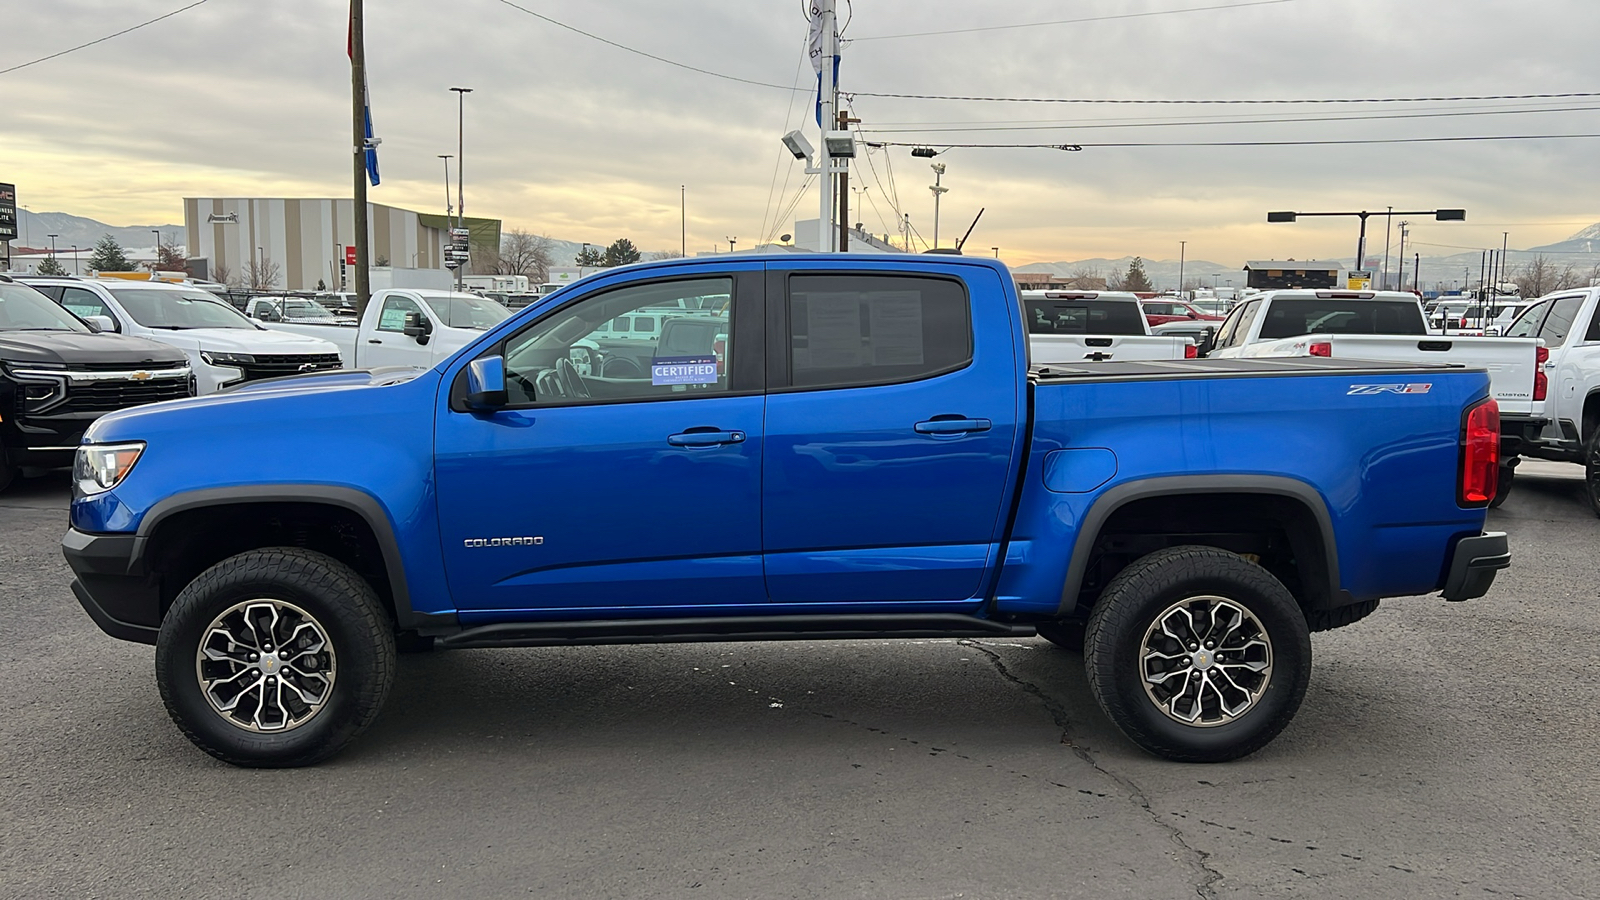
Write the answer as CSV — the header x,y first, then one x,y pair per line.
x,y
683,220
461,165
905,231
1400,280
845,121
1182,247
1505,241
1388,218
938,191
358,109
827,97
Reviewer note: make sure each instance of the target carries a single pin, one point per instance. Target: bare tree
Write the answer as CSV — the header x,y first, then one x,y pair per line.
x,y
262,274
523,253
665,254
221,274
1084,271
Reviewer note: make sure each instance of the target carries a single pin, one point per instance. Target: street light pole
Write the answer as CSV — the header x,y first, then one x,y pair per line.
x,y
1400,279
938,191
157,261
461,165
683,220
358,121
1183,247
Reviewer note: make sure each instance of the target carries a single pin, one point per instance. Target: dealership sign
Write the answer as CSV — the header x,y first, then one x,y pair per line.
x,y
8,212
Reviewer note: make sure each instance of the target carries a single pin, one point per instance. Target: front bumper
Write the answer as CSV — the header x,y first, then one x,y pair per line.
x,y
1474,563
122,599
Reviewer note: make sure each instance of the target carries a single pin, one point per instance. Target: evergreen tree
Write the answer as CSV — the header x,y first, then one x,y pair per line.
x,y
1136,279
621,252
589,257
108,257
51,266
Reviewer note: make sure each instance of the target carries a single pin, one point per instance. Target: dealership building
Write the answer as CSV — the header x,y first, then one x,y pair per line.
x,y
309,239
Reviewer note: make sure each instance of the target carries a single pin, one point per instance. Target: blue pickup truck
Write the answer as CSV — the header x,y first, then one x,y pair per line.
x,y
854,447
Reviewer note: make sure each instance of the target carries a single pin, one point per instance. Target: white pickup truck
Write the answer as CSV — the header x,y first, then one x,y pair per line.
x,y
1069,327
1389,325
1569,324
224,347
406,327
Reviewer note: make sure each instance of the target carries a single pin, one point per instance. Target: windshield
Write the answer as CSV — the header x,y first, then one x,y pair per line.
x,y
179,309
293,308
460,311
24,309
1292,317
1084,317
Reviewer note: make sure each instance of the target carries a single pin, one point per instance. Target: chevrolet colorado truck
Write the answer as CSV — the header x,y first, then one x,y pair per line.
x,y
870,455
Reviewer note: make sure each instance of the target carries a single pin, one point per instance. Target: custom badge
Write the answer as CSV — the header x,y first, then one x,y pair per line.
x,y
683,369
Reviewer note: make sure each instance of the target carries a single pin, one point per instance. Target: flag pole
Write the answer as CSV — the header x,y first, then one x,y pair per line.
x,y
358,107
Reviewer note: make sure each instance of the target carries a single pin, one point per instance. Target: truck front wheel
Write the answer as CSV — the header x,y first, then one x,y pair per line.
x,y
1591,471
1198,655
274,658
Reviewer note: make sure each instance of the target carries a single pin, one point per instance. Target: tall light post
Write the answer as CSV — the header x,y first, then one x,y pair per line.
x,y
996,252
449,207
938,191
683,220
75,260
1183,246
1400,279
1442,215
461,165
157,261
52,238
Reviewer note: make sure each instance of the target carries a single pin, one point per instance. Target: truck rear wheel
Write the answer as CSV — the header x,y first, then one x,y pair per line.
x,y
1591,470
1198,655
275,658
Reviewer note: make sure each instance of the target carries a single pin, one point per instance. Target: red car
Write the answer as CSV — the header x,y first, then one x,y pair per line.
x,y
1160,312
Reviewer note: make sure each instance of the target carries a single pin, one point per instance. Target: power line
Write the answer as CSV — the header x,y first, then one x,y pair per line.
x,y
1081,146
1362,118
1147,102
637,52
102,40
1141,15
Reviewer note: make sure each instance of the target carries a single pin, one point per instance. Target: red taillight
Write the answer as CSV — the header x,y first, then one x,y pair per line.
x,y
1322,348
1480,454
1541,381
1190,351
719,348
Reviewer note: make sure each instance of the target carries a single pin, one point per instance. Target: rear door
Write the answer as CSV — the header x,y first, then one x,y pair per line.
x,y
892,419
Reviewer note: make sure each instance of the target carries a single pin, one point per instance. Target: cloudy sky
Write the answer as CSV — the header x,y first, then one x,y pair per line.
x,y
571,137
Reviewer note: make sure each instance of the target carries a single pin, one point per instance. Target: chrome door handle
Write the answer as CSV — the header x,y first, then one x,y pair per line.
x,y
705,438
952,426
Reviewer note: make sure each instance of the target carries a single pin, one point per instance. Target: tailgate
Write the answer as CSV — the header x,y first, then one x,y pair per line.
x,y
1511,362
1063,349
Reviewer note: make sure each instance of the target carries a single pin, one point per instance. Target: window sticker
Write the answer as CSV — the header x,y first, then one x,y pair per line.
x,y
683,369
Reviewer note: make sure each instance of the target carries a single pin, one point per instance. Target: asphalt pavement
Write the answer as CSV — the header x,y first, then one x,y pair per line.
x,y
1444,750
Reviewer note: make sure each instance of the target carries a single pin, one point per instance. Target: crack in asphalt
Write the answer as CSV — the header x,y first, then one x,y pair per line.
x,y
1200,859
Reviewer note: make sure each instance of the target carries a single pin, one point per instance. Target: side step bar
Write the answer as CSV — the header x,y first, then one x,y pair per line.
x,y
730,628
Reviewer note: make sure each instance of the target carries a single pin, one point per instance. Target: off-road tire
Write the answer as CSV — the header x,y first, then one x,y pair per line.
x,y
1591,470
358,631
1066,634
1131,603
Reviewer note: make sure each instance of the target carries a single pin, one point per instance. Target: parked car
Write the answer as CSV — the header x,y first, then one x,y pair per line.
x,y
1388,325
57,375
1162,311
1568,324
406,327
874,460
225,348
1071,327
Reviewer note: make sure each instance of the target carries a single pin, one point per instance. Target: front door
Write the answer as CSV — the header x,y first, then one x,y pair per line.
x,y
612,491
386,343
891,428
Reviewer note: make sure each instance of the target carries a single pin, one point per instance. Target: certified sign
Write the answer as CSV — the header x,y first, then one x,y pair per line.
x,y
683,370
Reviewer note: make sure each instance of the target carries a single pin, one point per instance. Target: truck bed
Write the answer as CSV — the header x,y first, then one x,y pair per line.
x,y
1274,367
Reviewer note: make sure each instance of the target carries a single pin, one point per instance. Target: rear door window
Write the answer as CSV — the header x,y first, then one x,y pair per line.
x,y
1530,320
857,330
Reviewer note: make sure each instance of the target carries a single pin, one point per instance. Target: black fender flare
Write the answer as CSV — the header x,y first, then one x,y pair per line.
x,y
1123,494
359,502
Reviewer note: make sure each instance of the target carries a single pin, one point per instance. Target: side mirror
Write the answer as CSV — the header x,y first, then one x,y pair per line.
x,y
419,327
1192,314
1206,342
101,323
486,383
270,315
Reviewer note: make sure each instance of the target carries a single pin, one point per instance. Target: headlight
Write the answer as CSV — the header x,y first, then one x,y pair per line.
x,y
227,359
100,467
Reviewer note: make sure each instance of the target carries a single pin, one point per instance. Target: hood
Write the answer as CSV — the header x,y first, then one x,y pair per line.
x,y
242,340
71,347
327,380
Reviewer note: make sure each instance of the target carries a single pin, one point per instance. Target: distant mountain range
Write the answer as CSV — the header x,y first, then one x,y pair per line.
x,y
1163,273
34,229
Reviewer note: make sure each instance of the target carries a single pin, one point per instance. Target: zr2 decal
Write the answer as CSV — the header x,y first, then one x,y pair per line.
x,y
1362,390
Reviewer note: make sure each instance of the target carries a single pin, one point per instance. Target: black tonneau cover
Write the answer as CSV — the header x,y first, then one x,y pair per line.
x,y
1224,368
